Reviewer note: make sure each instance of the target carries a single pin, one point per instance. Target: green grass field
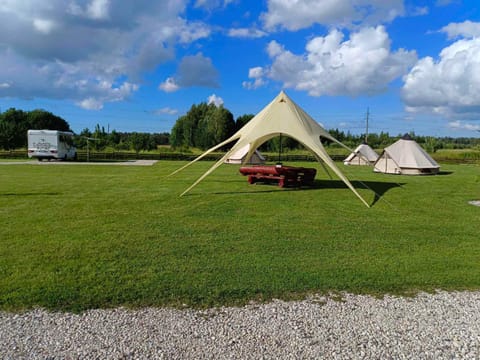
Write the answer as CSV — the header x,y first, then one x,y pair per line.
x,y
80,237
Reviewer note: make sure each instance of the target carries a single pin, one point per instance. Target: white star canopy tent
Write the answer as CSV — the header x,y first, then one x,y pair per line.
x,y
281,116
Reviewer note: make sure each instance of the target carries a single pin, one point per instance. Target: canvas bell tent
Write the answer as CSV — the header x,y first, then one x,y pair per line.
x,y
239,157
406,157
281,117
362,155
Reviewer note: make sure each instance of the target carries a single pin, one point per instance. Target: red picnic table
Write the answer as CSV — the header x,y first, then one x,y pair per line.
x,y
285,175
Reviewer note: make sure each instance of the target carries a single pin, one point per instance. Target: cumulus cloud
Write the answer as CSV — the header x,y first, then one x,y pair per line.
x,y
214,99
460,125
449,85
169,85
94,9
91,104
59,80
300,14
98,9
246,33
211,4
44,26
189,32
467,29
88,51
196,70
256,74
106,92
363,64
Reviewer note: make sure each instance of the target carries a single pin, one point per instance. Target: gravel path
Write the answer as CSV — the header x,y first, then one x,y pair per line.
x,y
102,163
439,326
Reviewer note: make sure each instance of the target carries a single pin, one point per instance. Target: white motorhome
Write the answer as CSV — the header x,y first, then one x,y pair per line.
x,y
51,144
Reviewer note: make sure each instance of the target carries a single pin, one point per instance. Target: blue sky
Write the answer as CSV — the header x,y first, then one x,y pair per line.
x,y
139,65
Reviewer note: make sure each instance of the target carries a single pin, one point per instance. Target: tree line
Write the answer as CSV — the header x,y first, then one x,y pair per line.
x,y
206,125
100,140
15,123
384,139
203,126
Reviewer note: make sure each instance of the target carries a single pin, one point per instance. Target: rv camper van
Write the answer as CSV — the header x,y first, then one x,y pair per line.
x,y
51,144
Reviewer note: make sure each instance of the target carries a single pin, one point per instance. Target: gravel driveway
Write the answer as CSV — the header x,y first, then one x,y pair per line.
x,y
59,162
428,326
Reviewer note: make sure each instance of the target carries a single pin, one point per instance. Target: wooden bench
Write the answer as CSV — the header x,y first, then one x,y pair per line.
x,y
284,175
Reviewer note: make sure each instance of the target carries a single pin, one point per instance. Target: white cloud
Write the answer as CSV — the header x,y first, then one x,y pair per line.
x,y
467,29
169,85
191,32
256,74
106,92
274,49
90,104
95,9
196,70
360,65
98,9
300,14
214,99
78,49
459,125
117,93
212,4
246,33
44,26
4,85
166,110
419,11
449,86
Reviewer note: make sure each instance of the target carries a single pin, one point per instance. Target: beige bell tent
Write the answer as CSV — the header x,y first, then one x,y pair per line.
x,y
406,157
239,157
362,155
281,116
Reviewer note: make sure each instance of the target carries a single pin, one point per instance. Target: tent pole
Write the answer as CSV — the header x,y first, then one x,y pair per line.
x,y
280,150
321,162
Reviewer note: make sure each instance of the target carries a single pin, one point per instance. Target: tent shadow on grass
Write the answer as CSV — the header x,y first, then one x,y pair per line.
x,y
444,173
31,194
379,187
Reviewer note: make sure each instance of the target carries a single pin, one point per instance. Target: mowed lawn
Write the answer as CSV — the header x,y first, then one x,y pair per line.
x,y
80,237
